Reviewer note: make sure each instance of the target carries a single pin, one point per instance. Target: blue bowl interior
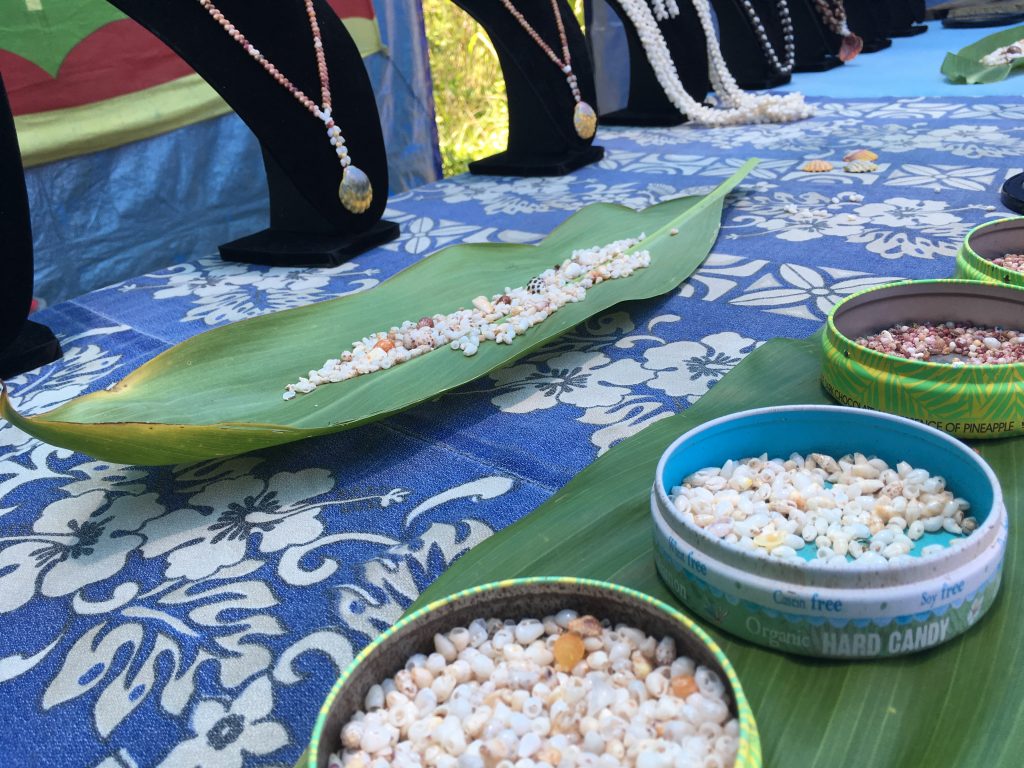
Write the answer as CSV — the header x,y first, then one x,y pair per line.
x,y
835,432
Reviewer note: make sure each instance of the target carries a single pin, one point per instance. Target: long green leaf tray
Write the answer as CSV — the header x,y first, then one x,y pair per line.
x,y
219,393
965,67
960,705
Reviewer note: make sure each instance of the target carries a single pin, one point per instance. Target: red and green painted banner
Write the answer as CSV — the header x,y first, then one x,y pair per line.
x,y
82,63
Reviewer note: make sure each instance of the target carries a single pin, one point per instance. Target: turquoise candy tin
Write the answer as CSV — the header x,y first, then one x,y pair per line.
x,y
857,610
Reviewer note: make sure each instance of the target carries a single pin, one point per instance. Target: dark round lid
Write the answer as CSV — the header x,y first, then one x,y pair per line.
x,y
1013,193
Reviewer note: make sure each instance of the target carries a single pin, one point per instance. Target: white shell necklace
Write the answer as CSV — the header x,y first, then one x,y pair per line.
x,y
584,118
740,106
355,191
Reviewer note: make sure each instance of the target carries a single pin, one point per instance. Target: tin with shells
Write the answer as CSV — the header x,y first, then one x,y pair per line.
x,y
856,610
989,241
518,599
968,401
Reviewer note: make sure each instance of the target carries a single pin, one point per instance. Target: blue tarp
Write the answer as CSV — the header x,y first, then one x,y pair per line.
x,y
104,217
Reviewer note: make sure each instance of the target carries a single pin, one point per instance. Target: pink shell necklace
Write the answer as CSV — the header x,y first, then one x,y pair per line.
x,y
584,118
355,191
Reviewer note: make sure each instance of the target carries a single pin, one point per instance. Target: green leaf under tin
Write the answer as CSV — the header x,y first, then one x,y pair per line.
x,y
219,393
957,705
965,66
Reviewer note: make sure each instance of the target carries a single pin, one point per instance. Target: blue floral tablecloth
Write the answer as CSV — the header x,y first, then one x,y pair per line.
x,y
197,615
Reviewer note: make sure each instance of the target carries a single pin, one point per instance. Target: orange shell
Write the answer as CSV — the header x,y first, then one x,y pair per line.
x,y
569,650
816,166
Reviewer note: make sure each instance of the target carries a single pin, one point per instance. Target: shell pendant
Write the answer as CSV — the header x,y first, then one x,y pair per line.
x,y
851,46
355,190
584,120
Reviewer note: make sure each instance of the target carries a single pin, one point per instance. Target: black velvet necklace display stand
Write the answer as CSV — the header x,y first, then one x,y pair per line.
x,y
541,138
741,44
905,17
24,344
647,104
870,20
308,224
815,50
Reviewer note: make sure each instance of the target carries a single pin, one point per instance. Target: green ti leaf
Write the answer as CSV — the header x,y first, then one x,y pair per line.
x,y
965,67
959,704
219,393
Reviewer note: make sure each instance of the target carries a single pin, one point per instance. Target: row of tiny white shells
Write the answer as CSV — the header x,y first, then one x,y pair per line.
x,y
491,697
851,509
500,318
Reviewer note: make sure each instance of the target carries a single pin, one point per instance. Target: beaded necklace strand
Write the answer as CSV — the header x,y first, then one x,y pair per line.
x,y
664,9
785,66
584,118
740,106
833,13
355,191
668,9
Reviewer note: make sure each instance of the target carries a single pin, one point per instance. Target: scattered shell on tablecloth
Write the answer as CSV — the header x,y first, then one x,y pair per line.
x,y
816,166
859,154
860,166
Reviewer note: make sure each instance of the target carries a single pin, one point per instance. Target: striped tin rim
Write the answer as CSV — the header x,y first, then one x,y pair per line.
x,y
749,749
986,266
867,355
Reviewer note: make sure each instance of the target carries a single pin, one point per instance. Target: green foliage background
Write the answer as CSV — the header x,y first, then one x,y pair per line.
x,y
469,92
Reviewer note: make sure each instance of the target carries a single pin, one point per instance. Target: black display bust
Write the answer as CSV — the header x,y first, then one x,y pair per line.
x,y
904,18
741,43
24,344
308,224
816,49
647,103
870,20
541,138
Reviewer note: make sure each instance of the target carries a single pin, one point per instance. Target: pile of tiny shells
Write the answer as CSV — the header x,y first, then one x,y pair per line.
x,y
1004,55
1011,261
499,319
951,343
567,690
851,509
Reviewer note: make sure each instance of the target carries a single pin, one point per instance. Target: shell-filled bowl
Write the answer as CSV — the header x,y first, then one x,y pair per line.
x,y
804,605
989,241
969,401
521,599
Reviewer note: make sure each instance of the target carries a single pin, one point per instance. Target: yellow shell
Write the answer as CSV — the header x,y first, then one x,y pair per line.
x,y
770,539
355,190
816,166
860,154
584,120
860,166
